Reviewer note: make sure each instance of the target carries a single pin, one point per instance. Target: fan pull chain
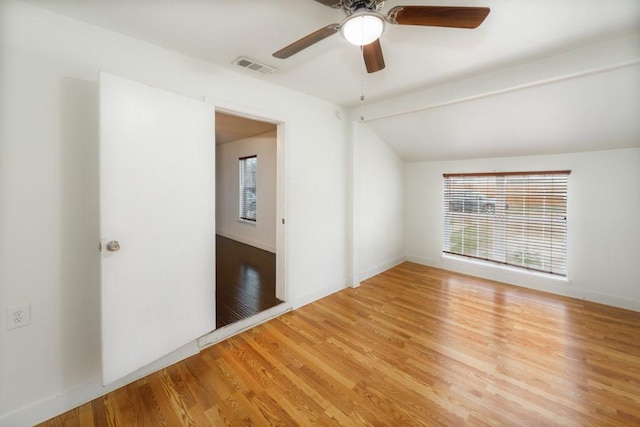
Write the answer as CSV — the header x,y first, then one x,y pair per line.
x,y
362,84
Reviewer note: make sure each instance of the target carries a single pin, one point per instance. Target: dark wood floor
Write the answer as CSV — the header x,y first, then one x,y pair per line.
x,y
245,281
413,346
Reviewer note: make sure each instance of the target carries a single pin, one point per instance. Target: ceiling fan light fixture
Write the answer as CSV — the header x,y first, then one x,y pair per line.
x,y
363,27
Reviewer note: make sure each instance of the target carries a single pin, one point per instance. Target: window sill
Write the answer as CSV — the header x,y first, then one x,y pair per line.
x,y
246,221
506,272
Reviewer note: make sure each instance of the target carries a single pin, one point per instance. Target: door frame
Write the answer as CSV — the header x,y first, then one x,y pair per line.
x,y
282,291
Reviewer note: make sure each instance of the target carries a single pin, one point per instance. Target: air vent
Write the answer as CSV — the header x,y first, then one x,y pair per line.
x,y
254,66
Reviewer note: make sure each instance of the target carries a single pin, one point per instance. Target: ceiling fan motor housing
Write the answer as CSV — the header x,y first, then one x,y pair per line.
x,y
351,6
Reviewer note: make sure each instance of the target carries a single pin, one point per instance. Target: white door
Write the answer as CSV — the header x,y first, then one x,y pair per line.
x,y
157,195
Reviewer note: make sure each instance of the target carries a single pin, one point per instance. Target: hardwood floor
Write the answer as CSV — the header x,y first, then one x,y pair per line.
x,y
412,346
245,281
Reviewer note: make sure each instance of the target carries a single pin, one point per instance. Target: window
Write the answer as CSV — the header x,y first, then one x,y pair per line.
x,y
517,219
248,167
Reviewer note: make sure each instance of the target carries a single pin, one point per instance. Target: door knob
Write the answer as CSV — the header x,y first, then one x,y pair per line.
x,y
113,246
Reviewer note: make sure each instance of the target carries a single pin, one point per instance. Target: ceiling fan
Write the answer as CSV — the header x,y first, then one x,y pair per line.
x,y
365,23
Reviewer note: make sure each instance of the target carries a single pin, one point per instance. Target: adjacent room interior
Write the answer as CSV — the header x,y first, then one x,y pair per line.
x,y
246,170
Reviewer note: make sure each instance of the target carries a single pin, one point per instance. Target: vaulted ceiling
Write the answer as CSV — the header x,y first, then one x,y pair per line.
x,y
417,58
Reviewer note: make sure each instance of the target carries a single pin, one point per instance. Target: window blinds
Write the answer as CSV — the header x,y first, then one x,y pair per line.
x,y
248,167
518,219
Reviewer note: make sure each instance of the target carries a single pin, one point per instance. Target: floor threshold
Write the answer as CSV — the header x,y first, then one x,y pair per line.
x,y
235,328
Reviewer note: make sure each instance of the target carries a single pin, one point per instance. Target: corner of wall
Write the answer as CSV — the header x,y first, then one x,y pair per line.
x,y
380,268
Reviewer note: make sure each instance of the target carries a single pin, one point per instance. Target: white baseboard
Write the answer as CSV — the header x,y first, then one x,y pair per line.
x,y
319,292
370,272
256,244
610,300
420,260
540,282
83,393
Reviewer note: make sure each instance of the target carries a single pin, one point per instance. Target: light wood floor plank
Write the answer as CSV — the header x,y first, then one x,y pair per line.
x,y
414,346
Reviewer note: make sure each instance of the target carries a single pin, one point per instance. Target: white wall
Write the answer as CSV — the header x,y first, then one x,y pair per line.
x,y
603,227
262,233
49,225
380,203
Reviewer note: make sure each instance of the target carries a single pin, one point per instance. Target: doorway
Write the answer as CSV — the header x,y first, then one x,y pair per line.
x,y
246,217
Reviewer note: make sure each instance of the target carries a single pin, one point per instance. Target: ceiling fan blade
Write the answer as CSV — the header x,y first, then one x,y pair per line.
x,y
307,41
373,58
331,3
438,16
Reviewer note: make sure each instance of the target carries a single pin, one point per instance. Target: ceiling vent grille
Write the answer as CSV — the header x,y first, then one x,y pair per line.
x,y
252,65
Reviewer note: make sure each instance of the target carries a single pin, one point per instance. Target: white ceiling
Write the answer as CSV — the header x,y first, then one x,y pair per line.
x,y
219,31
590,113
541,120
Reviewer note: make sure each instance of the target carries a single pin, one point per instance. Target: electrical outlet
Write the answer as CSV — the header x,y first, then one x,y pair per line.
x,y
18,315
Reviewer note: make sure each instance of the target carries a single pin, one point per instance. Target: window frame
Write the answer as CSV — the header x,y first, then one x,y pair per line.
x,y
532,236
243,202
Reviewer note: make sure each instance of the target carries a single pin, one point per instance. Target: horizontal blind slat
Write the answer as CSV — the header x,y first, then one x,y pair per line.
x,y
517,218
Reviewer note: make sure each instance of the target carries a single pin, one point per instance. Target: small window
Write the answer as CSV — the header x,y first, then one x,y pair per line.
x,y
518,219
248,167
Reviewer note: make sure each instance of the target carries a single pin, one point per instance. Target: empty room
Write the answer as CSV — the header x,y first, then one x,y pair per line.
x,y
445,194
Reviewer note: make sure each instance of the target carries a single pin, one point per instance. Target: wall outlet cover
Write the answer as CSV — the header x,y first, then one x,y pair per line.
x,y
18,316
